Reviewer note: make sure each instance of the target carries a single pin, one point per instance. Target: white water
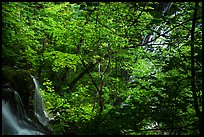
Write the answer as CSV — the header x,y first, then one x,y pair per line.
x,y
14,118
38,103
14,121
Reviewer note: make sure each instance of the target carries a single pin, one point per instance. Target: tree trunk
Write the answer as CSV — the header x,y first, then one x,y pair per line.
x,y
41,57
193,86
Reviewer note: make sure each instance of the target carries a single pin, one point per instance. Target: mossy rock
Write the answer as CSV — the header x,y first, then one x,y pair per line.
x,y
20,81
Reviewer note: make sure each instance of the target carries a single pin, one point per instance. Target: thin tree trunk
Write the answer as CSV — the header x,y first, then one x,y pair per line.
x,y
99,89
41,57
193,86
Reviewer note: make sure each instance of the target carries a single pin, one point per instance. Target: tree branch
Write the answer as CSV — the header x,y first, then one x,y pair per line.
x,y
90,75
89,68
134,46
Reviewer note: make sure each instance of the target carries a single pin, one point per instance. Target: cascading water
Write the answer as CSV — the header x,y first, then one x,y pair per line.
x,y
38,103
14,119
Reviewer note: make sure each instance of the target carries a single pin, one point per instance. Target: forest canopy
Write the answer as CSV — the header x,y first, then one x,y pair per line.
x,y
114,68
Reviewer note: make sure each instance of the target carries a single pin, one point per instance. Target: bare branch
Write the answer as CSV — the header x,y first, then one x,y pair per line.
x,y
90,75
134,46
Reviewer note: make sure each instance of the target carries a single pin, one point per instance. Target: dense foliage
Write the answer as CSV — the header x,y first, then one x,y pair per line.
x,y
131,68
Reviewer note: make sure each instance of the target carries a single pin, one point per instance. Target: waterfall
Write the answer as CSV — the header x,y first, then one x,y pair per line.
x,y
14,119
166,7
38,104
